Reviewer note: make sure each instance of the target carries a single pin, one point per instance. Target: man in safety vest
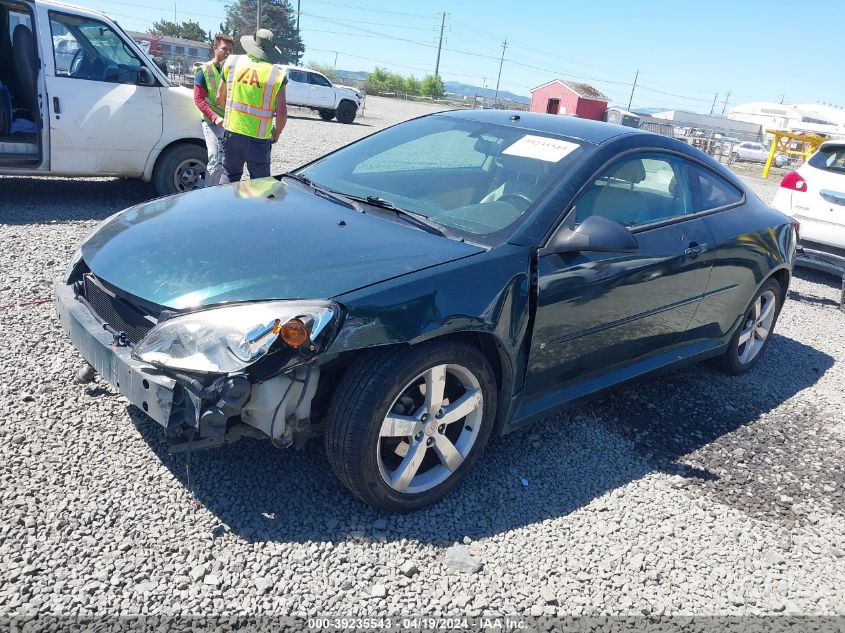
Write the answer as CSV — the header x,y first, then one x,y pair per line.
x,y
253,89
206,82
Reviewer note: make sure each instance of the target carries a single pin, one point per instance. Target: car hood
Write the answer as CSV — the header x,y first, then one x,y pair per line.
x,y
258,239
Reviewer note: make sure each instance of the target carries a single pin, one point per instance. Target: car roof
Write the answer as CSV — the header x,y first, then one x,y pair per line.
x,y
573,127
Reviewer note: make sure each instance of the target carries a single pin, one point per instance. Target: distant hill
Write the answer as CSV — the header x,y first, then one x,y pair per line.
x,y
467,90
352,74
649,110
453,87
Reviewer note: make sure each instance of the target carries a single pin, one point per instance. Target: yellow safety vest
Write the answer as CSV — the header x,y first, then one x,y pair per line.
x,y
251,89
212,81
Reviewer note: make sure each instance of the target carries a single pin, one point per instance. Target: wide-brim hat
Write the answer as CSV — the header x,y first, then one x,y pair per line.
x,y
262,46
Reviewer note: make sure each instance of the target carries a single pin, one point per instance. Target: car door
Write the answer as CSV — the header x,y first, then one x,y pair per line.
x,y
297,90
102,122
321,91
597,311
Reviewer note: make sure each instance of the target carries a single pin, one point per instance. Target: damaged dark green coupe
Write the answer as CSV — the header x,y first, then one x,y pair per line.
x,y
408,296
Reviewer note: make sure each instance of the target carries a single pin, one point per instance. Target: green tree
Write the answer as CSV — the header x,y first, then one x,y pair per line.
x,y
413,86
396,83
188,30
433,87
276,15
377,81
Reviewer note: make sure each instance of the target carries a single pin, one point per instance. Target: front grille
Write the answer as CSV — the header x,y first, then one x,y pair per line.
x,y
119,314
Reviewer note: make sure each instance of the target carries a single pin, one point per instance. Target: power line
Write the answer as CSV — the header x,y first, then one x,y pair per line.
x,y
391,26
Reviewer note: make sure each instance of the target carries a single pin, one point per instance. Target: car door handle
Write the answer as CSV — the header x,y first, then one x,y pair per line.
x,y
695,250
56,108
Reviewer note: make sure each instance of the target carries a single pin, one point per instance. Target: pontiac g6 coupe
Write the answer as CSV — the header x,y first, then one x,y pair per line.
x,y
411,294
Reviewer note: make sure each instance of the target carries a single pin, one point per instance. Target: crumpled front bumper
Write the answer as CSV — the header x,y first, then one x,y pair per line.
x,y
158,395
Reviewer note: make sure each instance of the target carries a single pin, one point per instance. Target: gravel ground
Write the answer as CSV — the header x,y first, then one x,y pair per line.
x,y
699,494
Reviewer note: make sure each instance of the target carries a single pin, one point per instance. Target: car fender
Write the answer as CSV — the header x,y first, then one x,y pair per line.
x,y
435,303
182,121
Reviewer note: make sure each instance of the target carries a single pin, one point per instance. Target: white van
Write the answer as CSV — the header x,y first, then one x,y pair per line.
x,y
78,97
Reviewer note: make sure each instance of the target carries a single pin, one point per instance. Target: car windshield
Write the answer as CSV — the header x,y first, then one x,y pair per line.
x,y
474,178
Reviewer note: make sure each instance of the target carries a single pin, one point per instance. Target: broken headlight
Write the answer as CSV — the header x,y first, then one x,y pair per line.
x,y
230,338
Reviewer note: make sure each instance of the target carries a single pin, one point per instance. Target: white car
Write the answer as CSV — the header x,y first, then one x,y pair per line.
x,y
814,195
309,89
90,102
752,152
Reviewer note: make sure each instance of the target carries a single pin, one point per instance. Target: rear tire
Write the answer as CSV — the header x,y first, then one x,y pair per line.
x,y
180,168
393,446
734,157
752,337
346,112
326,115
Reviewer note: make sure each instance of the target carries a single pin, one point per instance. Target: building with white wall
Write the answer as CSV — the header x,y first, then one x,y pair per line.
x,y
799,117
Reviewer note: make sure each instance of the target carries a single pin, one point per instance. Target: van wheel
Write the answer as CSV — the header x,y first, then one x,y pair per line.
x,y
326,115
180,168
346,112
405,426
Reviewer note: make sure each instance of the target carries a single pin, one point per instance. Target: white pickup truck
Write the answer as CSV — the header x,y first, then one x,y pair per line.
x,y
78,97
309,89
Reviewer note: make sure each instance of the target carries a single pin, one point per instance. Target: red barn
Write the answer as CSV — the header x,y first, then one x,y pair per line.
x,y
570,98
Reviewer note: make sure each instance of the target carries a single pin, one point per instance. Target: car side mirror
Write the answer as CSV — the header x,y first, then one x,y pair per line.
x,y
145,77
594,234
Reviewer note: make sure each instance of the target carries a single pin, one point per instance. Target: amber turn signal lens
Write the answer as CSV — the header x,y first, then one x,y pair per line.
x,y
294,333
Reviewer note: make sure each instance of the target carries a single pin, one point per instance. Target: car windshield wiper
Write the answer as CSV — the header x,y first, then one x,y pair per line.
x,y
419,219
328,194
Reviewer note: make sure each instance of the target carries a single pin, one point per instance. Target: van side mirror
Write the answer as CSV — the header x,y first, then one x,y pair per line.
x,y
594,234
145,77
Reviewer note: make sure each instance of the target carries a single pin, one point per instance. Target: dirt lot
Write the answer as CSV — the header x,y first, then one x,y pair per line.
x,y
689,494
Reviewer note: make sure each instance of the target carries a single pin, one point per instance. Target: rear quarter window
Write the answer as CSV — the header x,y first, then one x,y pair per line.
x,y
710,190
830,158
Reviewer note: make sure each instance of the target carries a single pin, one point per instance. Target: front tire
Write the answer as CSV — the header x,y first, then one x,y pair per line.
x,y
734,158
406,425
754,332
180,168
346,112
326,115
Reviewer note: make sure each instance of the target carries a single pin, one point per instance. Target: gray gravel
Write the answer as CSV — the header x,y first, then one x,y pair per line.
x,y
689,494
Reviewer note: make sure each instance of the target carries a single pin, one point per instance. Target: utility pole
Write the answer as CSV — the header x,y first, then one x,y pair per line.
x,y
633,87
175,20
440,45
713,107
335,59
725,104
258,16
297,15
501,63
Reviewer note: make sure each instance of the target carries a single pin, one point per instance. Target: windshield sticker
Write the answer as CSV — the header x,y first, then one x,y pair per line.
x,y
550,150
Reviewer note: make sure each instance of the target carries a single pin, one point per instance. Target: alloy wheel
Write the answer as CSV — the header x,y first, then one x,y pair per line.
x,y
430,428
757,327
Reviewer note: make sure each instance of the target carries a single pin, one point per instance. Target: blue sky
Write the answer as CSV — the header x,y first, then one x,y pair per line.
x,y
686,52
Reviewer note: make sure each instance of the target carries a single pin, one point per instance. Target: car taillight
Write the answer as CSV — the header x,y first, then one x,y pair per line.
x,y
794,181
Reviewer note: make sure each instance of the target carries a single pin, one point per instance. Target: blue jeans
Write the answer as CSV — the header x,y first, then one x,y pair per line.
x,y
213,141
239,149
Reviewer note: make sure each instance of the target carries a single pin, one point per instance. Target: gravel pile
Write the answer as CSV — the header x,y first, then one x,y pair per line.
x,y
691,494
